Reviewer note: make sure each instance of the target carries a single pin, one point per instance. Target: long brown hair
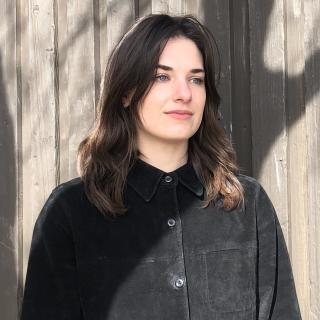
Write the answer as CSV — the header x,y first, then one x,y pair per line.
x,y
110,150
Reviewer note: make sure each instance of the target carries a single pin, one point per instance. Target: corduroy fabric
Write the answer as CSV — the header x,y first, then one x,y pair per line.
x,y
165,259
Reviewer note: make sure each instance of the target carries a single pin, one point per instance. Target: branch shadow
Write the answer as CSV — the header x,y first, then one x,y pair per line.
x,y
274,126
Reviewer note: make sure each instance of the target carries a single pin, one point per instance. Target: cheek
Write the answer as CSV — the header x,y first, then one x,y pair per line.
x,y
199,97
200,113
203,99
201,105
149,116
152,108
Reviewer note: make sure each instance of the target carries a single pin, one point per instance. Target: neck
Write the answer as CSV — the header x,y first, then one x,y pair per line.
x,y
164,156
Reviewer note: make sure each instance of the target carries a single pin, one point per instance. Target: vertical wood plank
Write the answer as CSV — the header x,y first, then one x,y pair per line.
x,y
77,73
312,94
145,7
120,16
168,6
40,141
160,6
9,144
103,14
176,7
215,15
26,135
62,40
100,42
240,72
269,137
297,155
81,78
192,7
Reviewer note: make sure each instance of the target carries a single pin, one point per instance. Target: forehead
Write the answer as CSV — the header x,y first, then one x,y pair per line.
x,y
181,51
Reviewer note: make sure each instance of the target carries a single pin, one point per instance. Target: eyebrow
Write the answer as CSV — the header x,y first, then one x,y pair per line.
x,y
167,68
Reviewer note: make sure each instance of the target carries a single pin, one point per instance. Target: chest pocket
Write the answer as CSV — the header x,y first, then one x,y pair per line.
x,y
230,279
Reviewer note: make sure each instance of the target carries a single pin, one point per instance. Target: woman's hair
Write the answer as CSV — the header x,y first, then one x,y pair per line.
x,y
107,154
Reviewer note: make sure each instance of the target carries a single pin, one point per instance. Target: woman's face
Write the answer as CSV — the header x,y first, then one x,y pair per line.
x,y
173,108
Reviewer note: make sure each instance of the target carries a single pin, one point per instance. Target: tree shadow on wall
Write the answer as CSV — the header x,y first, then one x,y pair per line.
x,y
271,121
7,144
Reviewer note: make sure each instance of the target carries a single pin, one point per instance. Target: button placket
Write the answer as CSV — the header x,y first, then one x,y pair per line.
x,y
180,282
170,208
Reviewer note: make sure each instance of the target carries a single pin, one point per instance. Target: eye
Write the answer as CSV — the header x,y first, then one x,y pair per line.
x,y
197,80
161,77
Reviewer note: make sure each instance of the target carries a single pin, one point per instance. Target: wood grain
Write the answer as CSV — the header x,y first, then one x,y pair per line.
x,y
9,163
296,151
52,57
268,117
39,114
312,98
297,160
240,75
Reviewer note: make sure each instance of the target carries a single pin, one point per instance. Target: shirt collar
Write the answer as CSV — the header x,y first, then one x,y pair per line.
x,y
145,178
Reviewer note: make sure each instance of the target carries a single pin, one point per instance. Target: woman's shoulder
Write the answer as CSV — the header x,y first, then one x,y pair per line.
x,y
68,189
64,196
249,182
255,193
254,190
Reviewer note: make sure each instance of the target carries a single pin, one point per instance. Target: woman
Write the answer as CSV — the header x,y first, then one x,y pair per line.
x,y
160,224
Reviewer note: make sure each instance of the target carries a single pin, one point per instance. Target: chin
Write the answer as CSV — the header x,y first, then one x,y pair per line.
x,y
178,138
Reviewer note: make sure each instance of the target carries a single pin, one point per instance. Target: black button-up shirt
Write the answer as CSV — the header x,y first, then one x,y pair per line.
x,y
166,258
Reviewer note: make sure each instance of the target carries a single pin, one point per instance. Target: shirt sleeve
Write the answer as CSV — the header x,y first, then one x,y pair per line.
x,y
277,298
51,283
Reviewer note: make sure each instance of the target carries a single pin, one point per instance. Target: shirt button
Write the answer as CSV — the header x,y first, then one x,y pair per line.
x,y
179,283
171,222
168,179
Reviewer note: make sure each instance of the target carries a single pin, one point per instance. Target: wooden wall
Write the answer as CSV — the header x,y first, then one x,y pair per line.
x,y
52,55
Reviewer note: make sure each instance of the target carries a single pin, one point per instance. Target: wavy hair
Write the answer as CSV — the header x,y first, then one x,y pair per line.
x,y
107,154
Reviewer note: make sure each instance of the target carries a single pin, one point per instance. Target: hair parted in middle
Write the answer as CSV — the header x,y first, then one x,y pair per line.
x,y
107,154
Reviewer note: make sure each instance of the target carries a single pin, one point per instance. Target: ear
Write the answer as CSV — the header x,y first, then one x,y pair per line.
x,y
126,99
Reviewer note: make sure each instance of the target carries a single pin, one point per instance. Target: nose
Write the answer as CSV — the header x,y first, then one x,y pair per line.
x,y
182,91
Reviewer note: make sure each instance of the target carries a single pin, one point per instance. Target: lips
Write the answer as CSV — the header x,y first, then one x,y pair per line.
x,y
186,112
179,114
